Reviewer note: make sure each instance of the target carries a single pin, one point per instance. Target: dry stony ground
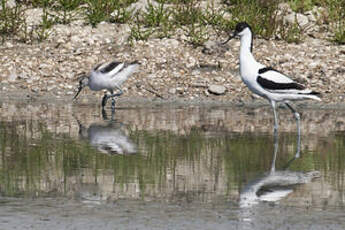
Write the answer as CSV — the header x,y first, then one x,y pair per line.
x,y
171,68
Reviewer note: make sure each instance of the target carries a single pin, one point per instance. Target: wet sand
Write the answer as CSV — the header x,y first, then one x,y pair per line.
x,y
122,214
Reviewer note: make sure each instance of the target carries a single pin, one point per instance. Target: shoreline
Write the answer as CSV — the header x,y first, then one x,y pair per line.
x,y
139,102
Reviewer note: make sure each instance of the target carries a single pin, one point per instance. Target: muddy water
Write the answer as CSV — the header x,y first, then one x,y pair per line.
x,y
74,167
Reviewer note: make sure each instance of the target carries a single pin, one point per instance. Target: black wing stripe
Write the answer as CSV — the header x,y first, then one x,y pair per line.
x,y
265,69
271,85
99,65
110,67
314,93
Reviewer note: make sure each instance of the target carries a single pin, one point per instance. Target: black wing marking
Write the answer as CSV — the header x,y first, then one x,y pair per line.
x,y
315,93
135,62
97,67
109,67
265,69
271,85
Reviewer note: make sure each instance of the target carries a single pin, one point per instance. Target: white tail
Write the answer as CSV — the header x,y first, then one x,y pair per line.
x,y
126,72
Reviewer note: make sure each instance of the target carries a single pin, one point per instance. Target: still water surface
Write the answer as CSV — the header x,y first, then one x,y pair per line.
x,y
177,156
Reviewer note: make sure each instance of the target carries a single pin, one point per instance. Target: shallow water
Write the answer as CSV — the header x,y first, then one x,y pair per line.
x,y
202,166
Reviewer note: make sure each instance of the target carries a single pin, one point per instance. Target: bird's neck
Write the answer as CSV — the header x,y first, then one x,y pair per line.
x,y
246,57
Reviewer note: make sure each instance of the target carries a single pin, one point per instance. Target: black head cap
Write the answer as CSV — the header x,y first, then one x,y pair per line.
x,y
242,26
239,28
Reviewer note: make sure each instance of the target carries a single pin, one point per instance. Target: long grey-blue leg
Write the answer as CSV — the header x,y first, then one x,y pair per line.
x,y
273,104
115,95
297,116
275,151
120,93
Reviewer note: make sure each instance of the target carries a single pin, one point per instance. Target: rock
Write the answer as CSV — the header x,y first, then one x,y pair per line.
x,y
311,16
301,19
217,89
35,89
209,47
9,44
9,4
13,76
191,62
172,91
219,79
34,16
180,90
141,5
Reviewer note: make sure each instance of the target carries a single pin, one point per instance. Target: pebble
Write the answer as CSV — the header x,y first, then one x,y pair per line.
x,y
217,89
172,91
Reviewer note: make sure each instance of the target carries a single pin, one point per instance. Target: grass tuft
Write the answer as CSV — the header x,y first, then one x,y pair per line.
x,y
198,20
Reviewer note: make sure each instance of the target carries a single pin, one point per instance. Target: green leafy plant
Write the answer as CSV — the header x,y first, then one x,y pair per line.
x,y
67,10
301,5
291,33
156,15
196,33
187,13
44,29
12,19
138,32
101,10
336,11
262,16
339,33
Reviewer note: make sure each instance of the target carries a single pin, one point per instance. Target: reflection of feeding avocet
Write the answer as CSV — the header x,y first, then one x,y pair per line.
x,y
275,185
108,137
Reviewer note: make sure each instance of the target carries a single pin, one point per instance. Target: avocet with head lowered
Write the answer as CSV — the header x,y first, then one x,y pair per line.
x,y
108,76
266,81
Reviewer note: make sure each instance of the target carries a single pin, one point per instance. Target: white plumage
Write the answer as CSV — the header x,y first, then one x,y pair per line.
x,y
266,81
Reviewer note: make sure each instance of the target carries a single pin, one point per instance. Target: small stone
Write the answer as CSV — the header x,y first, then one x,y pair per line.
x,y
9,45
172,91
219,79
35,89
179,90
217,89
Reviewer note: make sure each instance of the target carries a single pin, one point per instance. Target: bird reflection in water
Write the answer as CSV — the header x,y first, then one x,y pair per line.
x,y
108,136
275,185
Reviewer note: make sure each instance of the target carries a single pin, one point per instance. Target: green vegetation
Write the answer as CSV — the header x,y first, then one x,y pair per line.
x,y
196,20
337,19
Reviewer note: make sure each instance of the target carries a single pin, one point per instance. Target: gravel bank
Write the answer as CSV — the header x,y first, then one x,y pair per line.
x,y
171,68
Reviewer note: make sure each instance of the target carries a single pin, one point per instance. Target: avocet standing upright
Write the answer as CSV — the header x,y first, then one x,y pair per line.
x,y
266,81
108,76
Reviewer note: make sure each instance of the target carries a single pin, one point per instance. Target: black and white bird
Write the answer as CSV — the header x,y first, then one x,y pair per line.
x,y
108,76
266,81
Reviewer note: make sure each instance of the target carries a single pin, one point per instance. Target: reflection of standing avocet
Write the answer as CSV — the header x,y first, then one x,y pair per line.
x,y
275,185
108,138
